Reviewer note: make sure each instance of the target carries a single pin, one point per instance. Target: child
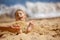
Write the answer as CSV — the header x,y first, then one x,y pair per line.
x,y
21,16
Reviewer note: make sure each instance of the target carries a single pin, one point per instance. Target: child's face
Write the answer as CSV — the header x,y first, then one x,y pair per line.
x,y
21,14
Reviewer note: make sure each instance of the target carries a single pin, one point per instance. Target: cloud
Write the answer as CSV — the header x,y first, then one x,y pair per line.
x,y
43,10
34,10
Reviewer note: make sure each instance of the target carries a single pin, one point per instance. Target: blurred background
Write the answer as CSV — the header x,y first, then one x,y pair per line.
x,y
36,9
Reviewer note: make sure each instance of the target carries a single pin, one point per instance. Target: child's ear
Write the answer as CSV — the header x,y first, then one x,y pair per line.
x,y
26,14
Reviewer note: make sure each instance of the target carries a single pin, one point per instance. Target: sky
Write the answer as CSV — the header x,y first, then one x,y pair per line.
x,y
12,2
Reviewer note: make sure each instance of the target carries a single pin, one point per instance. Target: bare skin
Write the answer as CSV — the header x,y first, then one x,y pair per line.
x,y
30,26
12,28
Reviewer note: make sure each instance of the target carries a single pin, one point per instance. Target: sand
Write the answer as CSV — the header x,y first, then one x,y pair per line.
x,y
44,29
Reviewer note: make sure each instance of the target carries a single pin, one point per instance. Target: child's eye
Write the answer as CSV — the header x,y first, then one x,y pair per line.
x,y
20,14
